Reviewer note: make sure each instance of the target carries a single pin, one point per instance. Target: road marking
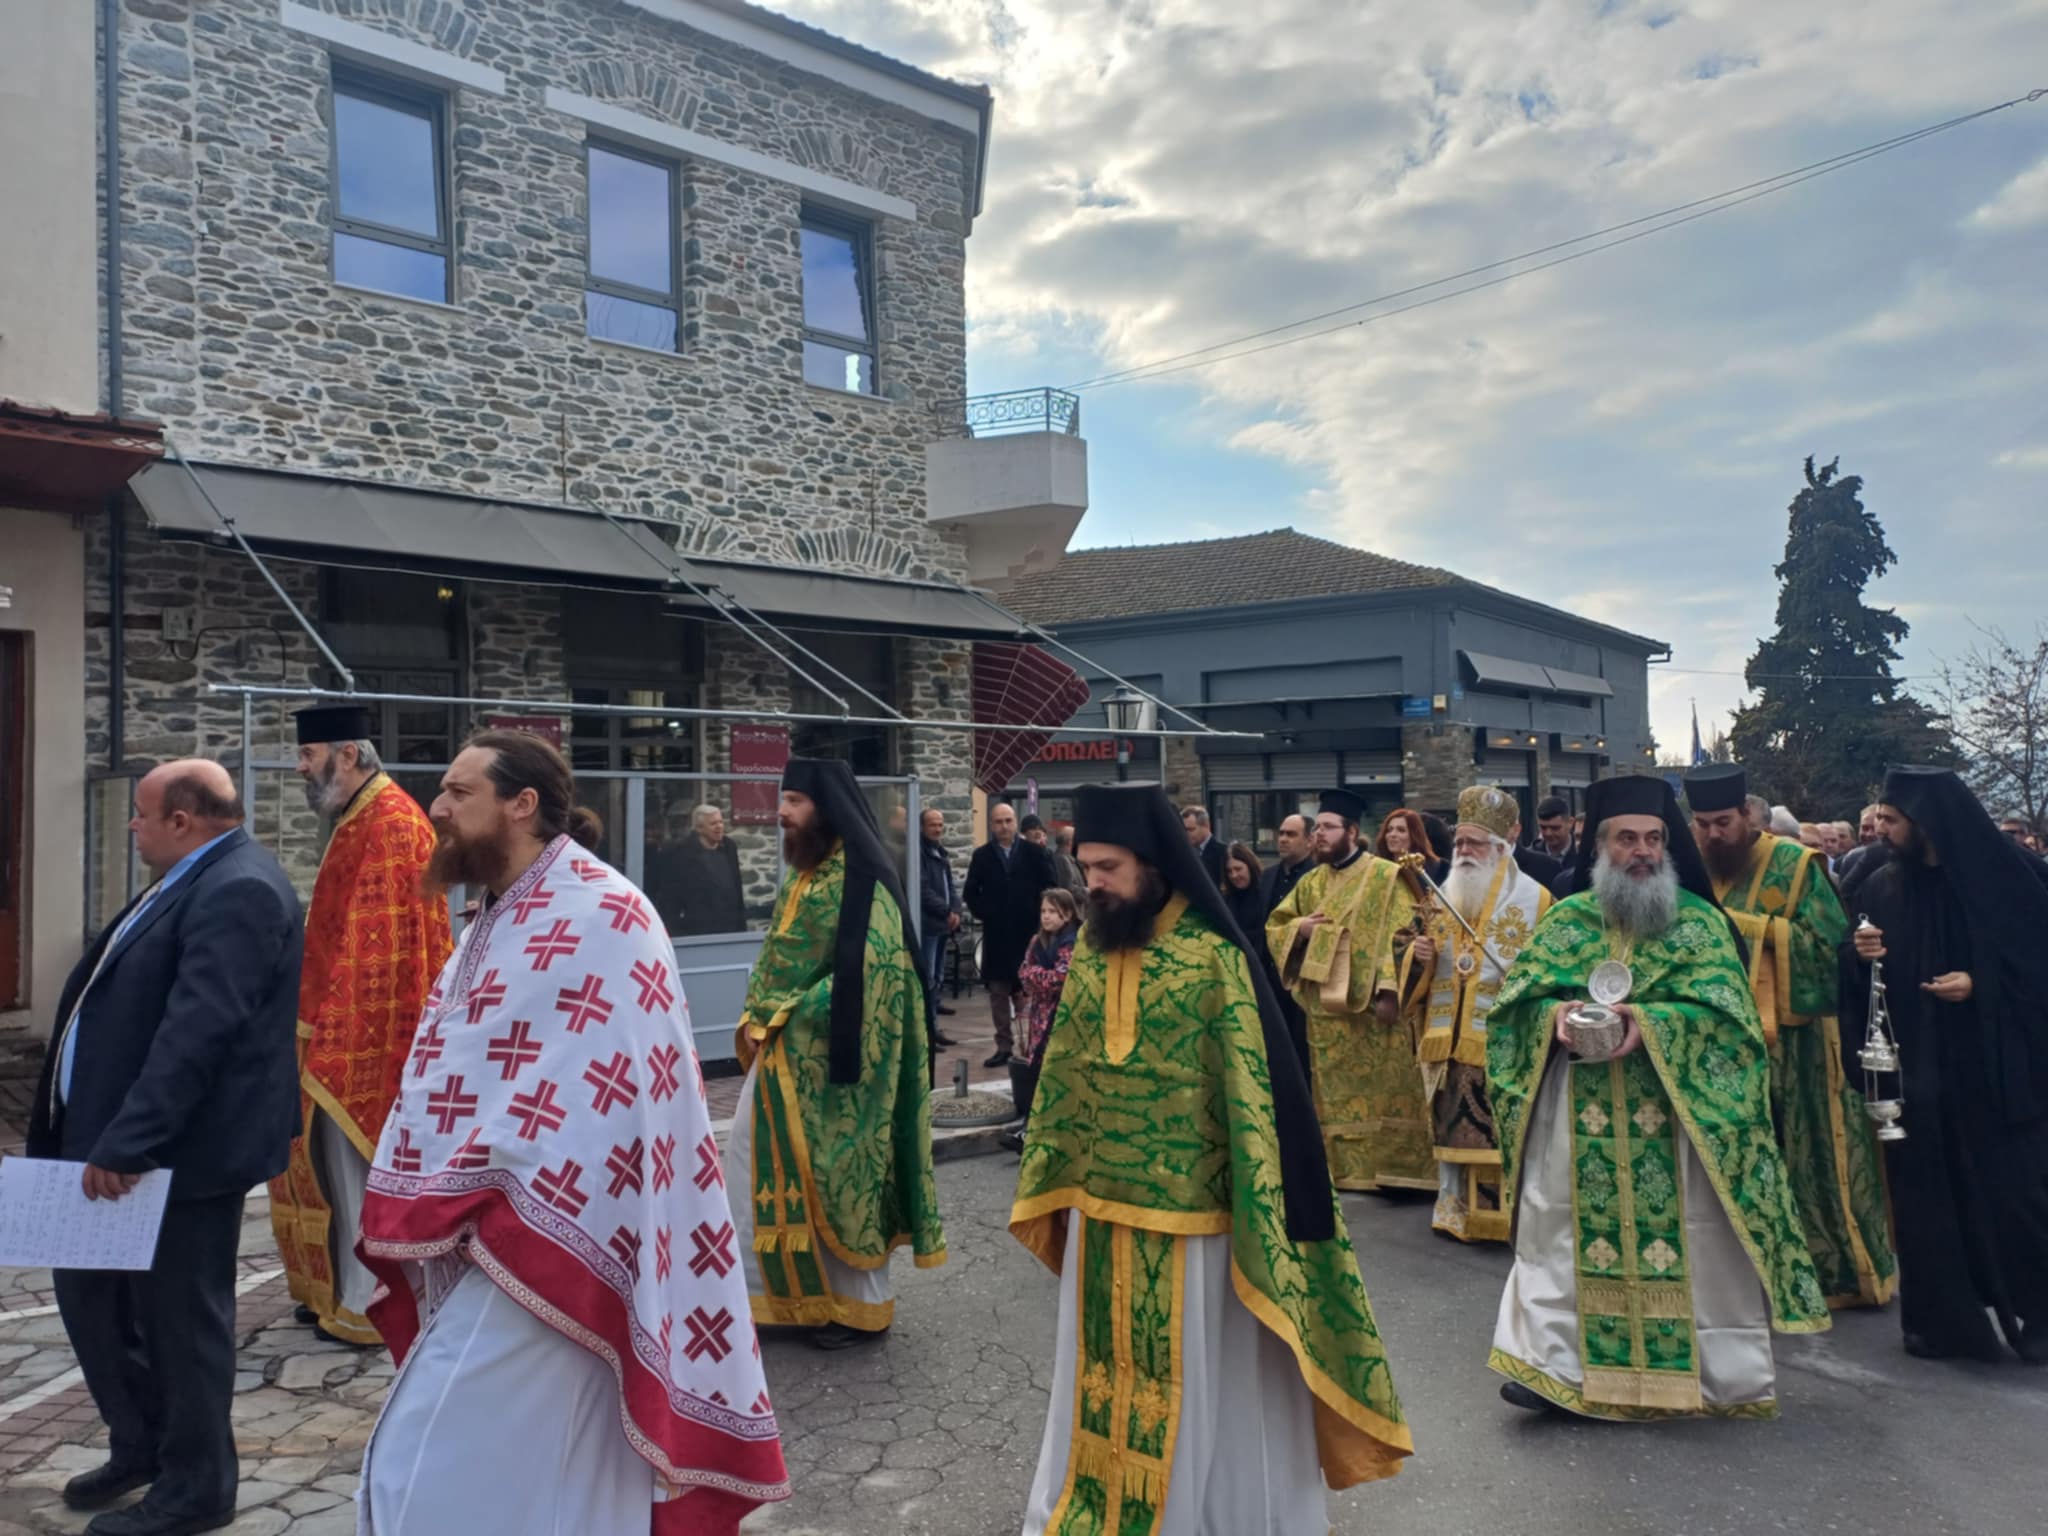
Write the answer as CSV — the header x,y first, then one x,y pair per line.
x,y
66,1380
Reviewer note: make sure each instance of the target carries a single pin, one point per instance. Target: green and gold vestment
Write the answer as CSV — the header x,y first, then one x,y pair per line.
x,y
1153,1124
1368,1094
1703,1072
845,1166
1793,922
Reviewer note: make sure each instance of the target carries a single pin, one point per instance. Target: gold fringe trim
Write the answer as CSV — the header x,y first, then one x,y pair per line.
x,y
1025,1213
331,1107
817,1311
1569,1398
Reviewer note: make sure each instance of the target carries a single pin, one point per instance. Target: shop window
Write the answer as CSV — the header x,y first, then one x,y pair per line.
x,y
390,147
839,302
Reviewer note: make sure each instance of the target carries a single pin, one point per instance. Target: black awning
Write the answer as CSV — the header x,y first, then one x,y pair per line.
x,y
312,517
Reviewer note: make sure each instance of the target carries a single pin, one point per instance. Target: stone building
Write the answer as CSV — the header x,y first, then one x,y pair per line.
x,y
522,340
1404,682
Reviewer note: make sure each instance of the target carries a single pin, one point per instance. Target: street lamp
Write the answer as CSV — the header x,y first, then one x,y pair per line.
x,y
1125,710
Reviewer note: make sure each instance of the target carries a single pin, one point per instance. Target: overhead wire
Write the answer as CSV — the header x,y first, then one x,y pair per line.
x,y
1664,219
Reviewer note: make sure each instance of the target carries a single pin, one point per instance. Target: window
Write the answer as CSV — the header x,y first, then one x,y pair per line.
x,y
633,225
390,187
839,303
869,660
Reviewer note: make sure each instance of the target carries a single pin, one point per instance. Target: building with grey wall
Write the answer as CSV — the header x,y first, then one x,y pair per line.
x,y
1404,682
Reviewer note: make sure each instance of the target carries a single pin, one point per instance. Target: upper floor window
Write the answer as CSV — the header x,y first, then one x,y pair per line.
x,y
390,186
633,229
839,303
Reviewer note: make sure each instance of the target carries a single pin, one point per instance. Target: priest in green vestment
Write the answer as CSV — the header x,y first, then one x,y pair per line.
x,y
1340,941
1217,1362
1656,1233
829,1163
1784,905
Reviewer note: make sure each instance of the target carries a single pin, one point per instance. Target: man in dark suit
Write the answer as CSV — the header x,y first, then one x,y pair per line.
x,y
1535,859
1005,878
1195,820
175,1047
1295,839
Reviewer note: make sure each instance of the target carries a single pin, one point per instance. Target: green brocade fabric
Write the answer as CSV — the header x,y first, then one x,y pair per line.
x,y
1828,1139
1703,1039
1162,1122
856,1158
1368,1091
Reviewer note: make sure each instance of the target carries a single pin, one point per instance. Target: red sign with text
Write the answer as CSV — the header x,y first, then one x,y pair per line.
x,y
547,727
1086,750
758,749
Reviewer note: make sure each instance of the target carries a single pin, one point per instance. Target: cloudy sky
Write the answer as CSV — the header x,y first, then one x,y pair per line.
x,y
1619,436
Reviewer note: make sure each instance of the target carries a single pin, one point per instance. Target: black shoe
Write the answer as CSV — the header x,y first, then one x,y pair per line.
x,y
1513,1392
102,1485
306,1315
1012,1141
1000,1059
944,1042
1921,1348
948,1012
141,1520
836,1336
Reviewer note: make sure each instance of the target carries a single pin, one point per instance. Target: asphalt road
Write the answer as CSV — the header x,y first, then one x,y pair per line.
x,y
935,1432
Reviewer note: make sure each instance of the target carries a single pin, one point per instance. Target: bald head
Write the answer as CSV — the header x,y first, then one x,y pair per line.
x,y
181,807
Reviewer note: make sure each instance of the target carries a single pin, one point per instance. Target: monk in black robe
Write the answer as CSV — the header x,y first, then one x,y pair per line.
x,y
1960,915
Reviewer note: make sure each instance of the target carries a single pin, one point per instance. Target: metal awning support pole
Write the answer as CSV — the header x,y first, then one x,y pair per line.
x,y
347,677
650,712
1201,727
248,752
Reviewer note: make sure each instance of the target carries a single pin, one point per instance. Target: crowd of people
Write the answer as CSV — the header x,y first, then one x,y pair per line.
x,y
1626,1049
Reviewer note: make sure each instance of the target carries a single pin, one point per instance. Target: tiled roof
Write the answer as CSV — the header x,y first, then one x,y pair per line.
x,y
1209,573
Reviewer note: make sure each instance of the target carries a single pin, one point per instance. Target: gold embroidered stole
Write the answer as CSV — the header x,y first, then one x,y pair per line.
x,y
1359,908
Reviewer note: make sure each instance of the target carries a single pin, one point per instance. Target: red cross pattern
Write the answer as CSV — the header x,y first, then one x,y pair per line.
x,y
538,1111
558,1186
535,900
661,1072
661,1254
586,871
513,1051
761,1404
714,1249
656,995
426,1048
552,944
708,1171
624,1167
488,994
668,1332
449,1104
614,1083
405,1157
626,1244
585,1005
664,1162
472,1153
626,912
433,997
707,1334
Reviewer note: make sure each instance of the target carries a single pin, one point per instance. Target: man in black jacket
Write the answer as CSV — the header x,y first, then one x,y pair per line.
x,y
1195,821
938,907
175,1047
1005,878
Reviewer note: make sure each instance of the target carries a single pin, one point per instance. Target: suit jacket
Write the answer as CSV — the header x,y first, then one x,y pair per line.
x,y
1277,883
1006,903
187,1053
1539,865
1214,856
708,884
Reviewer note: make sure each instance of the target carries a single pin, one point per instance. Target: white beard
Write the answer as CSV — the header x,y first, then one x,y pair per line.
x,y
1466,885
1639,908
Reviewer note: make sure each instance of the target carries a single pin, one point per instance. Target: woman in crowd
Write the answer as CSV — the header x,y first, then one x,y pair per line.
x,y
1040,979
1402,833
1241,890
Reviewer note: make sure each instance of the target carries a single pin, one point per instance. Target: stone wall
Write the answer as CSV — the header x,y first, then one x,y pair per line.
x,y
238,339
1436,764
1181,770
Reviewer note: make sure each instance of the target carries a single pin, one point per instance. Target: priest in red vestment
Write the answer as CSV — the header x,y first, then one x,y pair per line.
x,y
374,945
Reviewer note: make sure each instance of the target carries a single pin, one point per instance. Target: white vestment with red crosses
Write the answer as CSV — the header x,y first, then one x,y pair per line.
x,y
551,1148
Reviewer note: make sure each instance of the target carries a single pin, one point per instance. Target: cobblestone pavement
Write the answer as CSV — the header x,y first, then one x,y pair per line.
x,y
935,1431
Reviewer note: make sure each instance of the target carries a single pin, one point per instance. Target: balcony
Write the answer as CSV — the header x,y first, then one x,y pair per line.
x,y
1009,473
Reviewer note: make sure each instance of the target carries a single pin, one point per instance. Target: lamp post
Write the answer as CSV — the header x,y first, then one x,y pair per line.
x,y
1125,709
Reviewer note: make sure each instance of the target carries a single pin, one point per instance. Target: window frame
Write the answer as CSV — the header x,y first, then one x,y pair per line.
x,y
345,77
862,233
612,287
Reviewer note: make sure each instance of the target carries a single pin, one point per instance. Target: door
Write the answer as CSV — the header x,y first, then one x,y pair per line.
x,y
14,811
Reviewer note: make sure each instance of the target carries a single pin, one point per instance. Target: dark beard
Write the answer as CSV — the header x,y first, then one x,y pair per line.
x,y
1115,924
805,847
1914,849
1725,862
462,863
1334,856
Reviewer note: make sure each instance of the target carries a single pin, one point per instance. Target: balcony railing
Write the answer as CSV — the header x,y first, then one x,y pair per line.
x,y
1020,410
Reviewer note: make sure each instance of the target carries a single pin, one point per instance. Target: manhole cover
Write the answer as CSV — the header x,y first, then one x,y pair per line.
x,y
959,1112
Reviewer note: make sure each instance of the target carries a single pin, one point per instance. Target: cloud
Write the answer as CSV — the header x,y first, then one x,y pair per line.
x,y
2023,458
1621,434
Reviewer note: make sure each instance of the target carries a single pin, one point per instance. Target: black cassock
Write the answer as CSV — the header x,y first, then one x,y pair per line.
x,y
1969,1184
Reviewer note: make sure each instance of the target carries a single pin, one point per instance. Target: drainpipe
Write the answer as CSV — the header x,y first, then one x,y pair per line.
x,y
117,533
